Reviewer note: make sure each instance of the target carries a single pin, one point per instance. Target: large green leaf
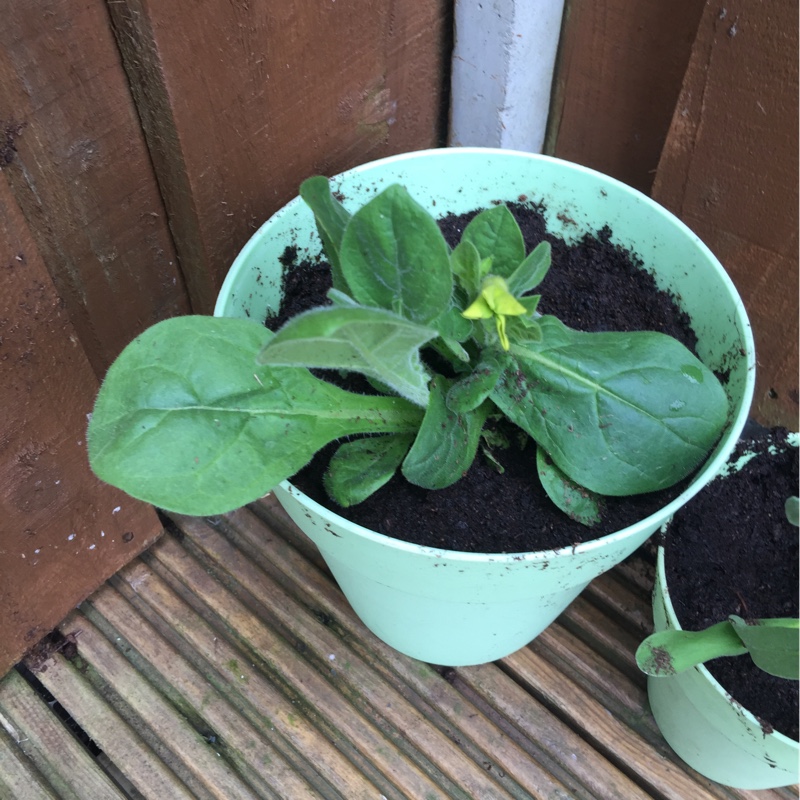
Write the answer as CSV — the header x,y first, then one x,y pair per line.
x,y
188,421
371,341
395,257
496,235
332,218
446,443
619,413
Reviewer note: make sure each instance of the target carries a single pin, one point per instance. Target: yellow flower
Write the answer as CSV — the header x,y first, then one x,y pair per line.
x,y
495,301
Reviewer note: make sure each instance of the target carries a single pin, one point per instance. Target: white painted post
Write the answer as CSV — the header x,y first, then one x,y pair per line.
x,y
503,61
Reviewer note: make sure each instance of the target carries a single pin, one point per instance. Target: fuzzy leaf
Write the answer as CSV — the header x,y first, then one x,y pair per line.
x,y
619,413
453,325
371,341
496,235
359,468
465,262
470,391
530,273
395,257
446,444
331,218
187,421
576,502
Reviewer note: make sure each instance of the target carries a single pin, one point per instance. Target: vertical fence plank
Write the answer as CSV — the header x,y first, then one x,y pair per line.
x,y
618,76
62,532
729,170
72,149
243,99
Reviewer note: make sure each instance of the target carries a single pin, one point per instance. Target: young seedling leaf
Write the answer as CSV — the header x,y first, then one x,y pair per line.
x,y
187,421
618,413
496,235
465,262
524,330
446,444
576,502
395,257
451,349
669,652
470,391
772,644
374,342
359,468
531,272
531,303
331,218
453,325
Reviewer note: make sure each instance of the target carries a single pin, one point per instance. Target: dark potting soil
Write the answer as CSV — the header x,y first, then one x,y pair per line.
x,y
731,550
593,285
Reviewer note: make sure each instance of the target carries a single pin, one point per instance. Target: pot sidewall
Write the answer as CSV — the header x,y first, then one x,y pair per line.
x,y
707,728
447,607
456,608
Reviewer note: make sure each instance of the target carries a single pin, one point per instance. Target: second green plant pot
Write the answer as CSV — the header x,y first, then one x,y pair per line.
x,y
703,724
454,608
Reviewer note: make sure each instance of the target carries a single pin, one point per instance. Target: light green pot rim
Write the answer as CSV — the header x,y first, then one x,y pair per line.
x,y
793,439
712,466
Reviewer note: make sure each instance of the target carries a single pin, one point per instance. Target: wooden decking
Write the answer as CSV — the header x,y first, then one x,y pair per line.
x,y
224,663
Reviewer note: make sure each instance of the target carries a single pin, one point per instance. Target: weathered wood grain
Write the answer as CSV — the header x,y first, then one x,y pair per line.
x,y
62,532
618,76
224,662
49,747
729,170
73,152
242,100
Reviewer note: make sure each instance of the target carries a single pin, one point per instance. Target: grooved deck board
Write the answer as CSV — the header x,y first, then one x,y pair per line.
x,y
224,664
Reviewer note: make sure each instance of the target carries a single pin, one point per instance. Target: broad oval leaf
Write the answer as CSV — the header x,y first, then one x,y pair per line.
x,y
496,235
395,257
359,468
187,421
576,502
446,443
374,342
619,413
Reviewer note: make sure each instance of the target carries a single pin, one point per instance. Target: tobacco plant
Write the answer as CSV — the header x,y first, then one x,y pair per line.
x,y
201,415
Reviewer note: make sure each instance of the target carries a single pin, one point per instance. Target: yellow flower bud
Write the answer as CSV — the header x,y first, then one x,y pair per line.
x,y
496,301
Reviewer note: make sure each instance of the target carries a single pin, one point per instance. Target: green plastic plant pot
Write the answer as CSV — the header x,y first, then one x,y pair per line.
x,y
454,608
702,723
707,728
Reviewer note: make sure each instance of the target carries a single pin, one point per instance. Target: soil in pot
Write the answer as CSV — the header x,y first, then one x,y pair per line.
x,y
731,550
593,285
